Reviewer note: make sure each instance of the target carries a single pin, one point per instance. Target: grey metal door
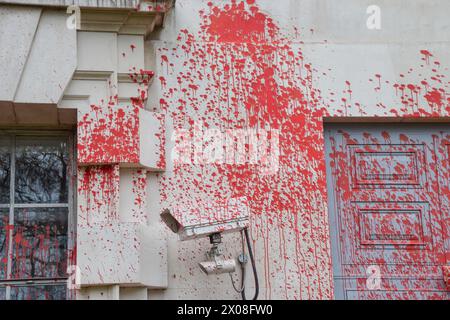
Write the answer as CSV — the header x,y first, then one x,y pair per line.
x,y
388,200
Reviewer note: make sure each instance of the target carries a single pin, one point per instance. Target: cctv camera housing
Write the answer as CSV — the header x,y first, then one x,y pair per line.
x,y
231,215
218,266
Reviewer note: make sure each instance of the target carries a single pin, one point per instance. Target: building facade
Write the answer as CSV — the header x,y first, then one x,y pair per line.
x,y
328,121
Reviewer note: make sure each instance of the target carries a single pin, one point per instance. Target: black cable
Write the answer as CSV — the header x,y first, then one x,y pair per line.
x,y
250,252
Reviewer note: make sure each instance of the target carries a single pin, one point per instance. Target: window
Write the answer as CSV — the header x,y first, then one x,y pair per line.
x,y
35,210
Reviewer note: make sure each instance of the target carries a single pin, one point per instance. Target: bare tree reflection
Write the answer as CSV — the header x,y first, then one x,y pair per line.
x,y
40,243
36,292
39,234
4,218
5,167
41,174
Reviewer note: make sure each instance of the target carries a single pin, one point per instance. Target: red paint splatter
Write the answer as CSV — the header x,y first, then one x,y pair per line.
x,y
426,55
256,81
434,98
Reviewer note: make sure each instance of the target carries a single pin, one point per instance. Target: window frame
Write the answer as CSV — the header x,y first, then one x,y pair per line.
x,y
69,137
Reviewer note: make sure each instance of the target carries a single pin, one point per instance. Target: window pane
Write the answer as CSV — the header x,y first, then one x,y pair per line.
x,y
39,243
4,218
5,166
41,170
2,293
38,292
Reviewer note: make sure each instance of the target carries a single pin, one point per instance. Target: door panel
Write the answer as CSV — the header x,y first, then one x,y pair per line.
x,y
388,206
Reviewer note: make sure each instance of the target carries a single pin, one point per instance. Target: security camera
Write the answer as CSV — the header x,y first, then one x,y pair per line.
x,y
218,266
226,217
215,263
230,216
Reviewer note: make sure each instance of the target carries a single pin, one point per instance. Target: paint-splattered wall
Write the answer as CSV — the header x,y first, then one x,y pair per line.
x,y
282,67
261,76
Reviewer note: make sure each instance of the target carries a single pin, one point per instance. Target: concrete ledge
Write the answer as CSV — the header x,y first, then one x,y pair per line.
x,y
139,5
122,253
36,114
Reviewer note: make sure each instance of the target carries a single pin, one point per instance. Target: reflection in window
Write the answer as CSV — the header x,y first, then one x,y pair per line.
x,y
5,167
34,221
40,243
4,217
38,292
41,171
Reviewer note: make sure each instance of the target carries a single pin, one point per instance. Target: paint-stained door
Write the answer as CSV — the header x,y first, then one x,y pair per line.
x,y
388,190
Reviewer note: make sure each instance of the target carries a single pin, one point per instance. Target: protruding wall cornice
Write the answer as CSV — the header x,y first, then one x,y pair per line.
x,y
139,5
120,21
135,17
